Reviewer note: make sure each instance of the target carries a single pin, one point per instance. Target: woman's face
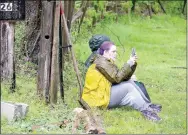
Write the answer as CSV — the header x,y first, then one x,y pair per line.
x,y
111,54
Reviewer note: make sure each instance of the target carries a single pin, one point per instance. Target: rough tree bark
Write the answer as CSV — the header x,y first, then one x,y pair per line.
x,y
7,54
44,57
54,64
30,43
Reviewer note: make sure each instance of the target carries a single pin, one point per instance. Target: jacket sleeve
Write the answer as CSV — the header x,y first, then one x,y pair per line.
x,y
113,74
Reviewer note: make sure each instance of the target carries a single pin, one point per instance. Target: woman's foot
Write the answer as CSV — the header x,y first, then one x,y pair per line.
x,y
151,115
156,107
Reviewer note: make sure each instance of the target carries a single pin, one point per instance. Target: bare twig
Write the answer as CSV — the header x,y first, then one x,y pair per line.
x,y
117,38
180,67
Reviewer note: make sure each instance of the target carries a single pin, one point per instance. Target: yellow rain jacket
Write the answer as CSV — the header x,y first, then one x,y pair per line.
x,y
99,78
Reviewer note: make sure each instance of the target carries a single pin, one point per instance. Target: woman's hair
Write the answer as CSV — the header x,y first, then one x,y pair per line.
x,y
105,46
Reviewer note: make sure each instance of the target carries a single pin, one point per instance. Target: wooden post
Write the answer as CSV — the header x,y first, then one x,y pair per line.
x,y
61,61
7,54
44,59
54,65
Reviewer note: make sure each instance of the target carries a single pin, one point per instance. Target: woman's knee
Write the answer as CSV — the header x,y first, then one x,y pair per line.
x,y
127,86
132,98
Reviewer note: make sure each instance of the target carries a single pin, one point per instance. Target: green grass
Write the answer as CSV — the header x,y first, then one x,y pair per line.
x,y
160,44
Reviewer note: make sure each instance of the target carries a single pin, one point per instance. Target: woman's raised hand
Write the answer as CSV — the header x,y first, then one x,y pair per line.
x,y
132,60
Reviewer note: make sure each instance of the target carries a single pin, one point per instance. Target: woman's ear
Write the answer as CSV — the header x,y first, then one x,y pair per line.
x,y
106,54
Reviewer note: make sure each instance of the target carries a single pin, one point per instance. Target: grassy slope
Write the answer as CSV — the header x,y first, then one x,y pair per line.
x,y
160,44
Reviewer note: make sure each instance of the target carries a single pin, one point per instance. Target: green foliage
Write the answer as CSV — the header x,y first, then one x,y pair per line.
x,y
173,7
19,34
126,5
101,5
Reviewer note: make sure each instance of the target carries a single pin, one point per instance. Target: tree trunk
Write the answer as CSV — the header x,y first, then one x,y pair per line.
x,y
83,15
184,5
30,43
133,7
44,63
94,21
68,11
149,10
54,65
161,6
66,8
77,15
7,54
116,10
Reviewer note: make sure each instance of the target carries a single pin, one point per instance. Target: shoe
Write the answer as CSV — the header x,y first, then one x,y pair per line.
x,y
156,107
151,115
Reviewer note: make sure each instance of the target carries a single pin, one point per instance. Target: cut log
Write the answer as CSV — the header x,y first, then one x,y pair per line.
x,y
92,122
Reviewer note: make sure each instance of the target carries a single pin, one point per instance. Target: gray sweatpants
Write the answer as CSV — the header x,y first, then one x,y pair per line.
x,y
128,93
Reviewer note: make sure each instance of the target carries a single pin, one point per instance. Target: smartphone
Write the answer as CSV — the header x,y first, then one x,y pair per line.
x,y
133,53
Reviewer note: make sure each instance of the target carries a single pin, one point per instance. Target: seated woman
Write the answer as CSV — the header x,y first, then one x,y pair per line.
x,y
107,86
